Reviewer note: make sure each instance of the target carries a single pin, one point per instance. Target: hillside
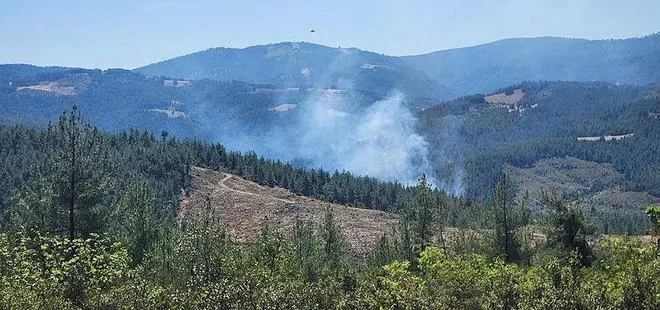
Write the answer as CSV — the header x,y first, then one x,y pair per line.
x,y
424,79
567,175
475,135
301,64
126,249
612,207
244,207
436,75
247,117
490,66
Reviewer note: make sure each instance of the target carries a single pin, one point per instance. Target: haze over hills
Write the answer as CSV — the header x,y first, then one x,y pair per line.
x,y
478,69
301,64
352,109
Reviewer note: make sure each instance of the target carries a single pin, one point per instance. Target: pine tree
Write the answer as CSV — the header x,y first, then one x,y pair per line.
x,y
569,229
136,219
80,171
333,240
507,220
653,212
424,214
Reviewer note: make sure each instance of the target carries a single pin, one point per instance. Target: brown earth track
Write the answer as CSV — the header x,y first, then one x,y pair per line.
x,y
228,176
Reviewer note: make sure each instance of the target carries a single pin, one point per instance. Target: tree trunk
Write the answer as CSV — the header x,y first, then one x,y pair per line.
x,y
72,186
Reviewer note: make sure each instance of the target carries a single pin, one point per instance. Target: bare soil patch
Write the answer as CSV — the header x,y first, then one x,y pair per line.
x,y
51,87
243,207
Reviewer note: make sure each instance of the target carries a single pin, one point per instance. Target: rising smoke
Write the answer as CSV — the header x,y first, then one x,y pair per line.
x,y
329,129
380,141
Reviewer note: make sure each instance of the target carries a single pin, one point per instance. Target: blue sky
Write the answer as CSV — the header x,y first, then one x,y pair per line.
x,y
132,33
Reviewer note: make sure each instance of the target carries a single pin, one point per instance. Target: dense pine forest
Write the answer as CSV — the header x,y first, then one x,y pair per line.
x,y
89,222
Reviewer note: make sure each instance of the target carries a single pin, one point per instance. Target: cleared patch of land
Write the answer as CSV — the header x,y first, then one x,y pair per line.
x,y
176,83
243,207
374,66
564,175
616,199
596,183
51,87
606,137
274,90
503,98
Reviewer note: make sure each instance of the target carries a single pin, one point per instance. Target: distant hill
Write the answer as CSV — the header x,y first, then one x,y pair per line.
x,y
207,109
486,67
119,99
521,124
303,65
613,209
437,75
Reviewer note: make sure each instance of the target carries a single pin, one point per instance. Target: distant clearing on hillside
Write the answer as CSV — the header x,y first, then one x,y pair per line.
x,y
565,175
621,200
51,87
606,137
503,98
176,83
274,90
596,183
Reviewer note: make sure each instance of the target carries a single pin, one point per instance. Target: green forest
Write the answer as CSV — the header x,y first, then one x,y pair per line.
x,y
89,222
487,137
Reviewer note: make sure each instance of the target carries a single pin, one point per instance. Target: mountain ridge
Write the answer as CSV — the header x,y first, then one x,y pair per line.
x,y
486,67
302,64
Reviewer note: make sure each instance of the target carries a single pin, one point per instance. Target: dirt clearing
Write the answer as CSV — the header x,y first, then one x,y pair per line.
x,y
243,207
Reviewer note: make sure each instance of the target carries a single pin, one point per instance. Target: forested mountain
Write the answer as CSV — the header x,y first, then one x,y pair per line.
x,y
486,67
461,71
524,123
300,64
117,99
245,116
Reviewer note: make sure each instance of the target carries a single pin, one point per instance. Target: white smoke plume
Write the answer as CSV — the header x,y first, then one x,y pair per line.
x,y
379,142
